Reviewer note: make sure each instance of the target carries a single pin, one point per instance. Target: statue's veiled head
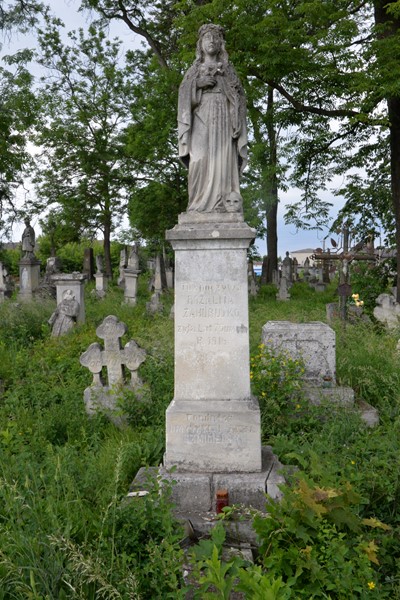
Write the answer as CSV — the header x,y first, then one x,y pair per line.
x,y
216,32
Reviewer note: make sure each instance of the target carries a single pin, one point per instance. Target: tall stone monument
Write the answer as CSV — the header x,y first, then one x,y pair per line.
x,y
213,421
29,265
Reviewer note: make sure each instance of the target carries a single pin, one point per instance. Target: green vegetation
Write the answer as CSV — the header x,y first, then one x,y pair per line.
x,y
67,529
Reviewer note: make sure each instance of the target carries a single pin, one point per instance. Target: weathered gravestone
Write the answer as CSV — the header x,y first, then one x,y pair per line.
x,y
387,311
213,434
287,269
74,282
123,263
100,277
283,293
6,286
159,285
251,279
314,344
131,274
103,394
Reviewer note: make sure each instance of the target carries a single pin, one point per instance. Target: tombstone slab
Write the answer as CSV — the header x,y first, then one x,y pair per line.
x,y
314,343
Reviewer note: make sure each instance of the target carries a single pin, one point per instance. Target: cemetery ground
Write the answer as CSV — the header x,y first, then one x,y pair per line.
x,y
67,529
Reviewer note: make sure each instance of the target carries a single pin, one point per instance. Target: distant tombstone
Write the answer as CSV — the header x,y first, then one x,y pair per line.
x,y
102,396
169,275
264,271
287,269
295,269
74,282
306,269
283,293
332,312
6,286
123,263
276,277
131,274
29,265
88,263
100,277
160,281
53,266
155,305
65,315
387,311
251,277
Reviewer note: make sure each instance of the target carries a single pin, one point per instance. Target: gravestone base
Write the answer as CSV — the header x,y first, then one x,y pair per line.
x,y
194,494
131,285
104,400
341,395
217,435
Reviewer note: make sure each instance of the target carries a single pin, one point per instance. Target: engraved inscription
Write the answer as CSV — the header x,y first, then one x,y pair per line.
x,y
203,309
211,429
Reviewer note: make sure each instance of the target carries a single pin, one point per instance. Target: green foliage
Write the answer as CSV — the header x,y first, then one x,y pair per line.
x,y
277,382
213,577
369,280
315,538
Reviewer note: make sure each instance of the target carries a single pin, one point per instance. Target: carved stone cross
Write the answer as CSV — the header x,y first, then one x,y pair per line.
x,y
113,357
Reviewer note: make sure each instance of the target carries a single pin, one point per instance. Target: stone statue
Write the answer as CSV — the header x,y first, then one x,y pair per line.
x,y
28,240
99,264
65,315
212,126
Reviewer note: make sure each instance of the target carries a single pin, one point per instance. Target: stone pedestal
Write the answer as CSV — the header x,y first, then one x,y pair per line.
x,y
131,282
213,423
29,278
74,282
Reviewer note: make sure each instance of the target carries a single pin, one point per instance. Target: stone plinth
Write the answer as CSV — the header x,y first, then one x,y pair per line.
x,y
213,423
29,278
74,282
131,283
314,343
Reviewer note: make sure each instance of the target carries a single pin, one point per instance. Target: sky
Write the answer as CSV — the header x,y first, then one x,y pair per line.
x,y
288,238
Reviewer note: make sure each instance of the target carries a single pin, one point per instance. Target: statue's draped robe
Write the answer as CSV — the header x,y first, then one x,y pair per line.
x,y
212,136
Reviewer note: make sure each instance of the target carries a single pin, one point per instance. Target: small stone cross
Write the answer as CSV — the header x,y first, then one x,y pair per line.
x,y
113,357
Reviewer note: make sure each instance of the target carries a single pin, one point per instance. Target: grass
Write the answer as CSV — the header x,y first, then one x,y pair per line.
x,y
66,530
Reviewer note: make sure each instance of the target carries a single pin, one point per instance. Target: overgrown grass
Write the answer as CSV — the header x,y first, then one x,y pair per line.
x,y
66,527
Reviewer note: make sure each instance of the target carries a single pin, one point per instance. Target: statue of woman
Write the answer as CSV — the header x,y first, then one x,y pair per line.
x,y
212,125
28,240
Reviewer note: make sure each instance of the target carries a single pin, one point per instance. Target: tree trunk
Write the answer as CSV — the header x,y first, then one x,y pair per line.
x,y
392,28
272,191
394,118
107,248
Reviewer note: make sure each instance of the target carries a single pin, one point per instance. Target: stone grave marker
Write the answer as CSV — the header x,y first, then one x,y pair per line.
x,y
100,278
103,393
283,292
88,263
315,344
74,282
387,311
